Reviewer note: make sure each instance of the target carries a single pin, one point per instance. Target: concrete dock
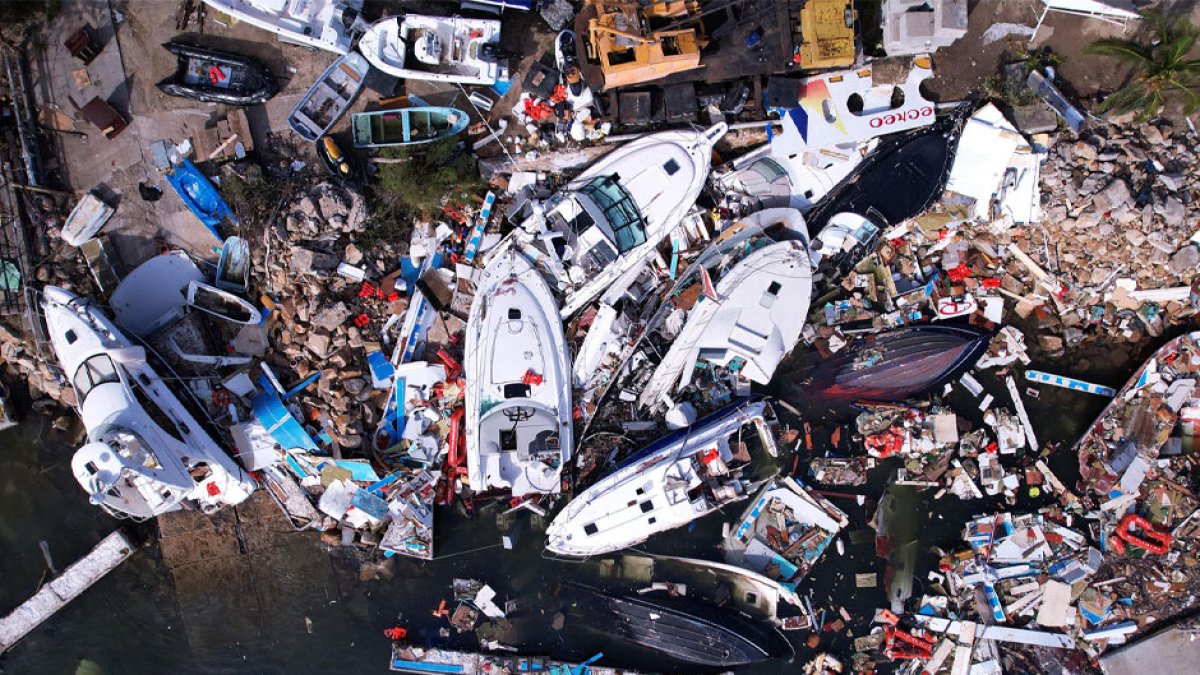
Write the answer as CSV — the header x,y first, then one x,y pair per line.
x,y
102,559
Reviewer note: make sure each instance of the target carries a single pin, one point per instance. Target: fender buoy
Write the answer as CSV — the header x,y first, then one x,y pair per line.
x,y
1151,539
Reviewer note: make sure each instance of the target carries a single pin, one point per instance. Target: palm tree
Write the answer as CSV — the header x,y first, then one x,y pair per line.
x,y
1159,67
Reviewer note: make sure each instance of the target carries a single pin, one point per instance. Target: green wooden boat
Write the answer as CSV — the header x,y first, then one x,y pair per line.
x,y
406,126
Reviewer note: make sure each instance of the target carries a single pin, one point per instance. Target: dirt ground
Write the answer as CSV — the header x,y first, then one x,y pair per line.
x,y
963,68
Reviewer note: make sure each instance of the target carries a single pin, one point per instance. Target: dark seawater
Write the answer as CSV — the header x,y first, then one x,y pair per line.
x,y
252,619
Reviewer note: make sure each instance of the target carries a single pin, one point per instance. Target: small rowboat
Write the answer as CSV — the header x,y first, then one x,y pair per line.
x,y
406,126
330,97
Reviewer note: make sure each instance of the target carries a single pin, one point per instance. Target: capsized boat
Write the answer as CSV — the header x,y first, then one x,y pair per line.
x,y
406,126
613,216
671,482
891,366
217,77
146,453
222,304
86,219
518,393
686,630
783,532
323,24
330,97
442,49
736,587
751,320
200,196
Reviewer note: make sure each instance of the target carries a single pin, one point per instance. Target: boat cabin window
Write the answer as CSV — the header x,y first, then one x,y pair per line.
x,y
95,371
516,390
514,314
71,337
751,598
628,228
647,506
590,529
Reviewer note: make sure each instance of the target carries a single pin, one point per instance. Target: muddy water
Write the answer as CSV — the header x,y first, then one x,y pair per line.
x,y
252,619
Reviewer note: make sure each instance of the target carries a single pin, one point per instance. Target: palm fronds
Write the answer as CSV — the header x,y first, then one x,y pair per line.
x,y
1159,66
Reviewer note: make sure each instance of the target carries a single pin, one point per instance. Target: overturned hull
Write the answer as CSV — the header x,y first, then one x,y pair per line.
x,y
687,630
891,366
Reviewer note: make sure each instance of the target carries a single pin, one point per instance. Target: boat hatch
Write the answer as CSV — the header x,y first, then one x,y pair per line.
x,y
624,223
516,390
96,371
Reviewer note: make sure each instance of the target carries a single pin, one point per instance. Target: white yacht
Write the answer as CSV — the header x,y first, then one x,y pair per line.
x,y
322,24
146,453
670,483
613,216
443,49
751,321
518,392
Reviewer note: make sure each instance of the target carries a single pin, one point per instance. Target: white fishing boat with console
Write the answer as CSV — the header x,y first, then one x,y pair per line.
x,y
673,481
146,453
322,24
518,392
441,49
747,323
613,216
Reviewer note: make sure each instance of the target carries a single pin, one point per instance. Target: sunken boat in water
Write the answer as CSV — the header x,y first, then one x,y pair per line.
x,y
214,76
683,629
891,366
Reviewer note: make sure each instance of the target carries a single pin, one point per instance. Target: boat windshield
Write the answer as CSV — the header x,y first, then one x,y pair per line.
x,y
97,370
628,228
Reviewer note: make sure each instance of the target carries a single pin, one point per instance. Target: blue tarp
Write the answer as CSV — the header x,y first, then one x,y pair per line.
x,y
270,412
200,196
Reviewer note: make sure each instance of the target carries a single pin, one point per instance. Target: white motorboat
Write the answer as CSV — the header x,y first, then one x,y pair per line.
x,y
322,24
518,392
670,483
748,325
613,216
810,523
442,49
146,453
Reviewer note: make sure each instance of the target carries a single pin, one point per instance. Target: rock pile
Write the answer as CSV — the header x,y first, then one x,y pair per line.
x,y
326,321
1119,215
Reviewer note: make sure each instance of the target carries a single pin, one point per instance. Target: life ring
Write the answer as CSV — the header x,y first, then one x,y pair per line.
x,y
1152,540
221,397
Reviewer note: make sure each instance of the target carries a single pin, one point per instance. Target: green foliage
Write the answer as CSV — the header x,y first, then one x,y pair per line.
x,y
1160,66
428,174
1001,88
251,195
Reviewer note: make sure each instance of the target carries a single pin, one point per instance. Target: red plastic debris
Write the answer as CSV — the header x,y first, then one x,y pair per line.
x,y
367,290
213,490
959,273
362,320
991,282
395,633
531,378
